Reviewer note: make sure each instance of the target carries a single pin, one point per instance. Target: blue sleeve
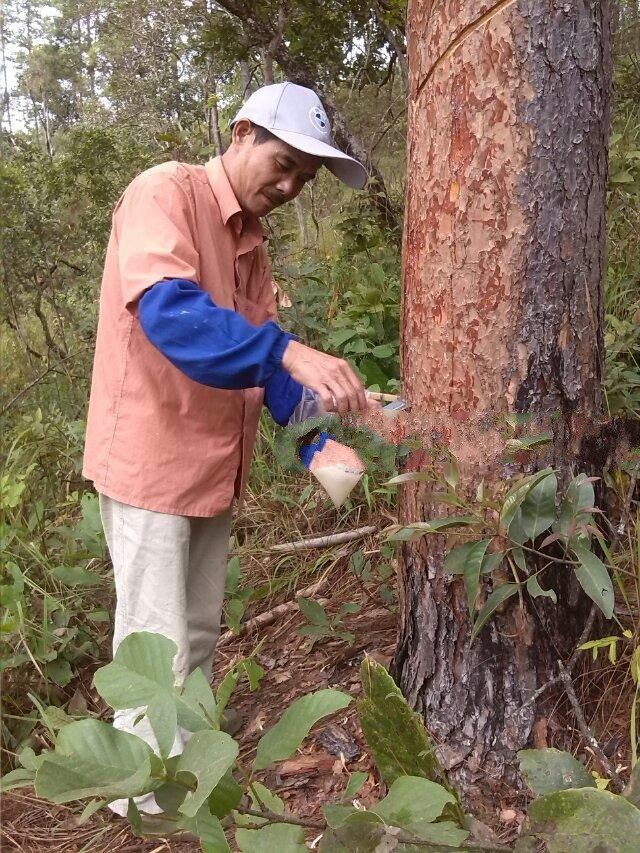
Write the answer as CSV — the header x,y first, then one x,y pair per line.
x,y
308,451
282,394
212,345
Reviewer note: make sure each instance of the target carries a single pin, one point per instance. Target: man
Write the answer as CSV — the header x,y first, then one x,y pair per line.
x,y
187,350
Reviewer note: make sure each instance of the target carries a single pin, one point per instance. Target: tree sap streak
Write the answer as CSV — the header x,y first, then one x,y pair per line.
x,y
503,271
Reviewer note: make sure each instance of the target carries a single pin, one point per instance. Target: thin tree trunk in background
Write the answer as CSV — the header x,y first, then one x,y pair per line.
x,y
268,54
396,41
245,75
213,122
503,311
91,64
7,94
269,51
302,222
47,128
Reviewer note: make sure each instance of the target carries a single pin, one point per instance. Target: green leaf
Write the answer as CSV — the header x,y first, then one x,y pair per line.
x,y
414,531
413,804
314,631
161,713
313,611
538,509
624,176
56,718
451,473
75,576
348,607
516,530
529,442
134,817
29,760
338,337
170,796
261,797
579,496
10,593
467,560
336,813
595,580
234,611
18,778
535,590
285,737
59,671
409,477
491,562
207,756
209,830
516,495
93,759
89,810
457,558
253,671
383,351
280,837
586,820
141,666
195,703
356,781
548,770
497,597
356,832
225,690
377,275
396,736
632,791
233,576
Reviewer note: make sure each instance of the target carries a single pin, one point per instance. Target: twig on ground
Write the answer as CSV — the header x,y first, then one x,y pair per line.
x,y
586,731
270,616
403,837
323,541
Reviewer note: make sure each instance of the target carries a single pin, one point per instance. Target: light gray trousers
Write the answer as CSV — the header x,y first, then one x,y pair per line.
x,y
169,573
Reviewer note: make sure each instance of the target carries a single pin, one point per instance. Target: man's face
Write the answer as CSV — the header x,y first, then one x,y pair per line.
x,y
272,172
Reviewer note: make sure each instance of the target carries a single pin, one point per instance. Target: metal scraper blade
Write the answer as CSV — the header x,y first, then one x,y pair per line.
x,y
396,405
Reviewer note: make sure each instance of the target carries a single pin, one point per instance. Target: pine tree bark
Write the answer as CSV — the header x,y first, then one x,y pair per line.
x,y
504,248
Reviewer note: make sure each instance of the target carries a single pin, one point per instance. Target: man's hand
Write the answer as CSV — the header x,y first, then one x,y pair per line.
x,y
332,378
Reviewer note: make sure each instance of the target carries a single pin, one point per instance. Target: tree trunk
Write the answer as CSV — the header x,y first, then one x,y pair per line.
x,y
302,222
503,311
213,121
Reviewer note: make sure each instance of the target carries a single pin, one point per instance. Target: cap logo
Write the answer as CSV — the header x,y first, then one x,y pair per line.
x,y
319,120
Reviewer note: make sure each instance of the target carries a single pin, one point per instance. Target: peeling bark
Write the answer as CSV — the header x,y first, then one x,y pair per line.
x,y
504,248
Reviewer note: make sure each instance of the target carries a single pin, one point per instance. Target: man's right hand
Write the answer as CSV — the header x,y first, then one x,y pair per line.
x,y
332,378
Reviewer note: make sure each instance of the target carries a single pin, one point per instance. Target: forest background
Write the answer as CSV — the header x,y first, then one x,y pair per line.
x,y
93,93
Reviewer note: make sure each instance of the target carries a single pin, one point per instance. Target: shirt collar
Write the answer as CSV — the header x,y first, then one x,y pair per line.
x,y
249,230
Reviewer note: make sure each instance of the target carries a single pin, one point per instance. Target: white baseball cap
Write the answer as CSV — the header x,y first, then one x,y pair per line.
x,y
295,114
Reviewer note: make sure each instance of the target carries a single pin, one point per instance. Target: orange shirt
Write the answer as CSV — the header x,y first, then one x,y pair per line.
x,y
155,438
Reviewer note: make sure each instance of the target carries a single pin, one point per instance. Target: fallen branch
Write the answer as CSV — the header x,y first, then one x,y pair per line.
x,y
586,731
270,616
269,816
323,541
